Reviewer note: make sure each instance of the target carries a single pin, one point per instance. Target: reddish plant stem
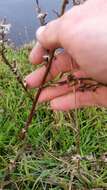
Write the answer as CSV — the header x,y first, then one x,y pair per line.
x,y
78,2
41,17
11,67
63,7
17,76
24,130
74,2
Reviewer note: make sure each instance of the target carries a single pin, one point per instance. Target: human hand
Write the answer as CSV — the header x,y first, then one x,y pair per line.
x,y
82,32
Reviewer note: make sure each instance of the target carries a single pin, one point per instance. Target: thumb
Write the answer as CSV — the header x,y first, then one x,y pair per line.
x,y
48,35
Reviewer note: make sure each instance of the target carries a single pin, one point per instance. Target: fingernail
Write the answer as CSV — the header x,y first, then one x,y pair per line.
x,y
40,31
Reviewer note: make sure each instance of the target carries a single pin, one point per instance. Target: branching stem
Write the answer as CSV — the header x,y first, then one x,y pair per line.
x,y
41,17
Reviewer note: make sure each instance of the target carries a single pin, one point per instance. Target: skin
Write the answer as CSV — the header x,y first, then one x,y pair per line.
x,y
82,32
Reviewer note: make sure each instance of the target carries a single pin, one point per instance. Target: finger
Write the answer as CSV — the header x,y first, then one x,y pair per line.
x,y
61,89
37,53
54,35
57,33
61,63
48,35
50,93
81,99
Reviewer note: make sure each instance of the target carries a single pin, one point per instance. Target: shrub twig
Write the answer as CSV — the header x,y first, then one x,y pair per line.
x,y
40,14
11,66
63,6
48,61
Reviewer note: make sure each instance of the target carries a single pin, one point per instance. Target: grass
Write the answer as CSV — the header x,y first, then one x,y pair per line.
x,y
49,161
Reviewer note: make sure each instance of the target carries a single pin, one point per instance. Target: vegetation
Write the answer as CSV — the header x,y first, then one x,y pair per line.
x,y
60,150
50,159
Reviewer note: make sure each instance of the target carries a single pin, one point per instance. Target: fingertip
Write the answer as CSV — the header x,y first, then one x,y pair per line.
x,y
39,32
37,53
34,79
48,35
26,82
29,82
33,56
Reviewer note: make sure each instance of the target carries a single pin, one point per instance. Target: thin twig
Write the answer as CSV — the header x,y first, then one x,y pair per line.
x,y
18,77
63,7
41,17
83,84
78,2
12,67
24,130
74,2
40,14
